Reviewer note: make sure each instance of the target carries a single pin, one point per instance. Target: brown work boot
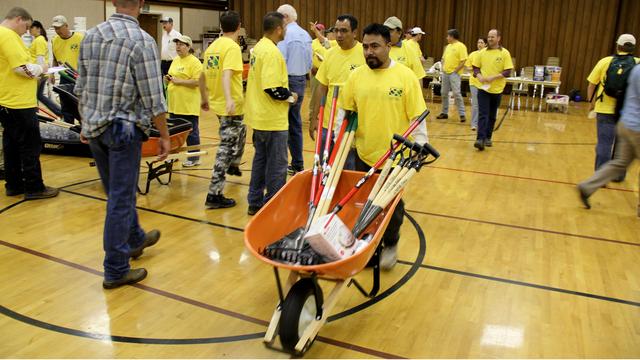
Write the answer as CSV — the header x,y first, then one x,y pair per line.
x,y
132,277
48,192
150,239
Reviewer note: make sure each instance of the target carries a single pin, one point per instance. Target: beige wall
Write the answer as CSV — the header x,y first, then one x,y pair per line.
x,y
170,11
194,22
45,10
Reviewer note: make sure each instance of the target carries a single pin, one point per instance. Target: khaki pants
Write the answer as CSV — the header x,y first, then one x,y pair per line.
x,y
314,86
628,149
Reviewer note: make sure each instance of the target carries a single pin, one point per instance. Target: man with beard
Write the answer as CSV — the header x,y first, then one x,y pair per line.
x,y
386,96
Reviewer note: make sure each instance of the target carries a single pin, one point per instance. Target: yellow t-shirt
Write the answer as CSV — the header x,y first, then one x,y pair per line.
x,y
39,48
184,100
415,46
268,70
597,76
335,70
405,55
472,79
318,49
453,55
493,62
224,54
16,91
386,101
67,50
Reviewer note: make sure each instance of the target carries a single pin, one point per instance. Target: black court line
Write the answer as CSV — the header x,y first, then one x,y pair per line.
x,y
182,299
9,207
206,222
125,339
519,227
526,284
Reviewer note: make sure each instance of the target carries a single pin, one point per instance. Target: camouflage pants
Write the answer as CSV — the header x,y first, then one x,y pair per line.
x,y
233,133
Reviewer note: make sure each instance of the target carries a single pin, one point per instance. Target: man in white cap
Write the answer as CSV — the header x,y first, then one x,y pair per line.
x,y
66,49
606,106
168,47
401,52
416,35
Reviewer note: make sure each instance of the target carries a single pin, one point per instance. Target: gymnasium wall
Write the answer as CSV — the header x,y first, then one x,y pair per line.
x,y
579,32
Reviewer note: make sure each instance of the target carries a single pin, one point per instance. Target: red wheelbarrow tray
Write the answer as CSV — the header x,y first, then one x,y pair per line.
x,y
288,210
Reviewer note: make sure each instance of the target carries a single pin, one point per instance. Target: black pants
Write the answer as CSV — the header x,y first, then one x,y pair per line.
x,y
164,66
488,105
391,236
68,108
22,145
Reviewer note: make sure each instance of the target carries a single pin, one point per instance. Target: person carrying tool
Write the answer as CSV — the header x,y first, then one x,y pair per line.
x,y
387,96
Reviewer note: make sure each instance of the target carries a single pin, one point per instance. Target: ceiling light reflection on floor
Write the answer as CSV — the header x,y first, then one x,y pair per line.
x,y
503,336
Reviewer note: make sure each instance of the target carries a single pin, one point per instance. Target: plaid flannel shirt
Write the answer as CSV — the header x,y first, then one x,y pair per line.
x,y
119,76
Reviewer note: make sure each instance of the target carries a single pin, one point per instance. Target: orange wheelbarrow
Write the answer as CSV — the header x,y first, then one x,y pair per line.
x,y
302,310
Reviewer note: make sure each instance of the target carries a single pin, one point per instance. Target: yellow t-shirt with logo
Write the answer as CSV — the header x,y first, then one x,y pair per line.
x,y
386,101
335,70
473,81
16,91
67,50
454,54
39,48
608,104
493,62
405,55
184,100
224,54
268,70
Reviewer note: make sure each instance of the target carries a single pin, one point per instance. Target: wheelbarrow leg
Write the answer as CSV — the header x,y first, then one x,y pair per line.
x,y
272,330
312,330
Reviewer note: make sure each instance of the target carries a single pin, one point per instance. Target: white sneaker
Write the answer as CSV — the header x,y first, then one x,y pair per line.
x,y
190,163
389,257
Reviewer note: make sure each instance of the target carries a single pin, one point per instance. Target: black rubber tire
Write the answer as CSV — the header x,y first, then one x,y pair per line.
x,y
290,317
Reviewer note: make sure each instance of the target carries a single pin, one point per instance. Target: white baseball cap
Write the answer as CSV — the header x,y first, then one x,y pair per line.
x,y
626,38
184,39
393,23
416,30
59,20
166,19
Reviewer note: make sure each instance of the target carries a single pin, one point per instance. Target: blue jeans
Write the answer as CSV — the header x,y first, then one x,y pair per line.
x,y
606,146
297,85
451,82
194,136
118,160
488,105
50,104
269,169
474,106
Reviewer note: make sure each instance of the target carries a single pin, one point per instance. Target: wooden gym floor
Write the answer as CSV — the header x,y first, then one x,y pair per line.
x,y
510,264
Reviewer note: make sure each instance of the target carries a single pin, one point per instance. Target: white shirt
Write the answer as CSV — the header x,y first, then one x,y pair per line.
x,y
168,47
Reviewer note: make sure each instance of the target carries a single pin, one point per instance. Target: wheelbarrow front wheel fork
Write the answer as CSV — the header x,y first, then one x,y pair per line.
x,y
302,312
301,307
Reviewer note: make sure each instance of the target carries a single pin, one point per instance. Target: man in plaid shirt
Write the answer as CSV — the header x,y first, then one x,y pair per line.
x,y
120,92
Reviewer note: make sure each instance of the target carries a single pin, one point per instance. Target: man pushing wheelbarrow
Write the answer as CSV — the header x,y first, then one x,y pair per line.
x,y
387,97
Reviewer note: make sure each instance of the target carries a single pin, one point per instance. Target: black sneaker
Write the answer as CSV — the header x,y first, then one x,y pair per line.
x,y
479,144
11,192
463,119
2,174
132,277
253,210
488,143
584,198
150,239
442,116
234,171
218,202
48,192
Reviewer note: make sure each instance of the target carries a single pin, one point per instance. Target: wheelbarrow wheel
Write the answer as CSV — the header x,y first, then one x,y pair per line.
x,y
298,312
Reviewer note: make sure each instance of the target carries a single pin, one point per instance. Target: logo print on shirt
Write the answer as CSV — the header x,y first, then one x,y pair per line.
x,y
395,92
74,47
353,67
401,59
213,62
252,61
